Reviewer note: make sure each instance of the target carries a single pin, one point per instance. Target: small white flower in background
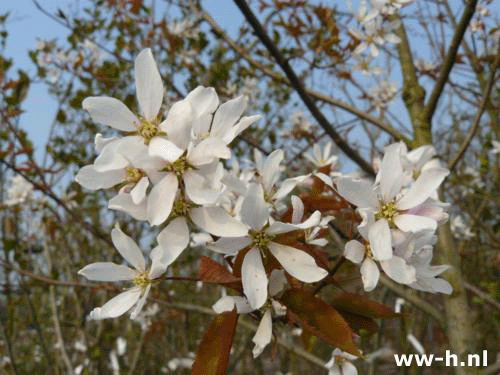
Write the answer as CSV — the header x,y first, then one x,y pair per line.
x,y
460,229
382,95
121,346
310,233
496,147
185,362
256,214
113,363
363,65
322,157
80,346
340,363
20,191
374,36
142,278
386,7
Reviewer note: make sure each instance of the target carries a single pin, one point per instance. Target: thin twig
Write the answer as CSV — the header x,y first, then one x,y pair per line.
x,y
299,88
483,295
450,59
475,125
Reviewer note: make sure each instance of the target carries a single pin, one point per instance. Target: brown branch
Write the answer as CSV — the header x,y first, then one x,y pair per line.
x,y
450,59
475,125
315,94
299,88
483,295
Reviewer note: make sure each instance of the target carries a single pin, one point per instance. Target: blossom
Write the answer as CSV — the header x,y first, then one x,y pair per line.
x,y
141,277
255,213
19,191
374,36
322,158
340,363
496,147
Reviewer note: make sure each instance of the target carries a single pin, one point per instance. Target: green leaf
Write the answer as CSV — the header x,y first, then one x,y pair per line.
x,y
213,353
320,319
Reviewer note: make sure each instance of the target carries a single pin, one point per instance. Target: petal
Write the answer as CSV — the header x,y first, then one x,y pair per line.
x,y
123,202
203,99
279,227
163,148
91,179
149,86
200,189
426,184
288,185
158,268
111,112
230,246
298,209
117,305
263,334
177,125
354,251
415,223
254,209
228,303
227,115
140,304
297,263
161,199
271,170
217,221
240,126
397,269
254,279
207,151
277,282
138,193
348,368
391,172
379,236
173,240
128,249
107,271
360,193
369,274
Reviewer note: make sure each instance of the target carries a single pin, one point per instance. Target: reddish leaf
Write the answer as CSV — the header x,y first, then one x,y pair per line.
x,y
213,353
212,272
360,324
361,305
323,203
320,319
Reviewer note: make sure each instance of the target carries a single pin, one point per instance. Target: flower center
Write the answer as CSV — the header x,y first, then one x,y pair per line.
x,y
179,166
133,175
387,211
260,239
368,251
182,207
142,280
148,130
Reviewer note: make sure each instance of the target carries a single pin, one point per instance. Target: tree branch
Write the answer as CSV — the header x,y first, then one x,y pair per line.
x,y
450,59
299,88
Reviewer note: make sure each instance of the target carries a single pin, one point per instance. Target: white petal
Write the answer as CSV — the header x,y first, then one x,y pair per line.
x,y
271,170
354,251
348,368
254,209
379,236
128,249
426,184
227,115
263,334
138,307
91,179
217,221
158,267
254,279
277,282
149,86
107,271
207,151
138,193
173,240
123,202
391,172
297,263
161,199
230,245
163,148
288,185
397,269
298,209
360,193
117,305
240,126
414,223
279,227
203,99
177,125
200,189
111,112
228,303
100,142
369,274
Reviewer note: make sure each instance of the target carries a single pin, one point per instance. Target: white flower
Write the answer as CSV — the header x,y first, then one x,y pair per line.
x,y
322,158
19,191
255,213
139,275
374,36
382,95
340,363
496,147
149,91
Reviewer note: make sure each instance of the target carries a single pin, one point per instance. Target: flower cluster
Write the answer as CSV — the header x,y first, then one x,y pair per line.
x,y
170,174
400,213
